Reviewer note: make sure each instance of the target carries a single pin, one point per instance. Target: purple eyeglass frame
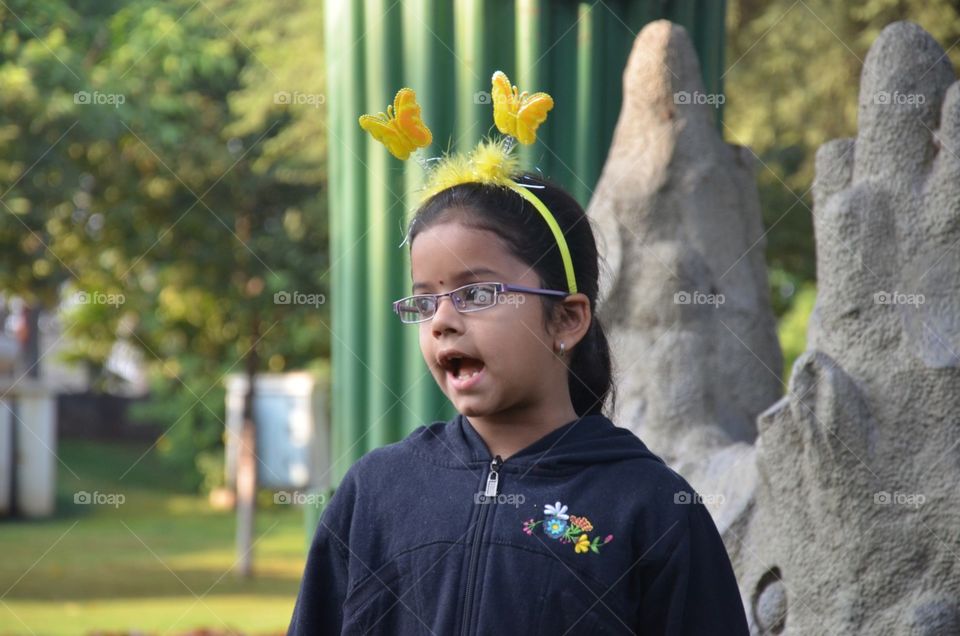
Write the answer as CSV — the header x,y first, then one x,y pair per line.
x,y
499,288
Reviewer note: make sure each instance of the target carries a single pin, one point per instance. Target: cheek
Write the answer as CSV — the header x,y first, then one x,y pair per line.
x,y
426,346
520,337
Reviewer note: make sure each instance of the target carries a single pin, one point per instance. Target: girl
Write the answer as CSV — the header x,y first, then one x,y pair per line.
x,y
529,512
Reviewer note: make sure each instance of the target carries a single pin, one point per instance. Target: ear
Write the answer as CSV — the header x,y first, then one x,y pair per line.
x,y
571,321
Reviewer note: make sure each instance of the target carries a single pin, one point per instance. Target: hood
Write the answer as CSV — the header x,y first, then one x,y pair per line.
x,y
587,440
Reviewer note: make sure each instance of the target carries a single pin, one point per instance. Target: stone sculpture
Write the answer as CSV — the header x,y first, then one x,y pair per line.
x,y
837,496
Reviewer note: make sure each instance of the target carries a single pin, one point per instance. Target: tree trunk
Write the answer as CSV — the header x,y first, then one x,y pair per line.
x,y
247,465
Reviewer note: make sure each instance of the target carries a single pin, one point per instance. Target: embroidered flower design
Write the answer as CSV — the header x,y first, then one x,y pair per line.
x,y
557,524
555,527
556,510
583,544
581,522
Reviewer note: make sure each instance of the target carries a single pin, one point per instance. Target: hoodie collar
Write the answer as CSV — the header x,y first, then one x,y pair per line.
x,y
569,432
586,440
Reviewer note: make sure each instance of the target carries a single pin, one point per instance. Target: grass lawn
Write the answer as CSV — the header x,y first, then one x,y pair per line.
x,y
159,563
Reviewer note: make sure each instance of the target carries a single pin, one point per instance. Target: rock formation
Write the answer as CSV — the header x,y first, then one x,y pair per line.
x,y
838,501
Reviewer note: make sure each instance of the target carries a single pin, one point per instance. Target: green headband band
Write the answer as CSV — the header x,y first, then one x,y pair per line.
x,y
554,227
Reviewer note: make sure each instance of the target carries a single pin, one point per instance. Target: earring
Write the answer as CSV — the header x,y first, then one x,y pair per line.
x,y
562,353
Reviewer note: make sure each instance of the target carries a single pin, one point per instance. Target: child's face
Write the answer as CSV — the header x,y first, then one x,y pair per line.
x,y
519,370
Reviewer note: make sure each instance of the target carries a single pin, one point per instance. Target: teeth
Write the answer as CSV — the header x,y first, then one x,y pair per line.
x,y
464,377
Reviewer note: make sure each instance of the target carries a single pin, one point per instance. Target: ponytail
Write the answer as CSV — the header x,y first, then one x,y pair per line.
x,y
590,375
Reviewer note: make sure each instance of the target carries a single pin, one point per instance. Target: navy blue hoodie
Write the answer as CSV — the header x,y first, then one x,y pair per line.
x,y
585,531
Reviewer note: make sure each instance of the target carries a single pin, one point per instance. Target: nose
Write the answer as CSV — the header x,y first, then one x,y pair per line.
x,y
446,318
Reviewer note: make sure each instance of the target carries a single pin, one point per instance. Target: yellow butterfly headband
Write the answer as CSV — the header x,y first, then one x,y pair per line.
x,y
516,115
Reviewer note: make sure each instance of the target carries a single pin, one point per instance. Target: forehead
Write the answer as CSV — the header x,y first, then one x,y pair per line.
x,y
451,252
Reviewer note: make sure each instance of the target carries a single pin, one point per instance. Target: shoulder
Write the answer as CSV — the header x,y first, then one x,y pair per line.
x,y
662,505
642,472
384,461
654,484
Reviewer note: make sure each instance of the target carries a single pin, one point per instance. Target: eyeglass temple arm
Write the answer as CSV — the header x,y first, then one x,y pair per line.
x,y
534,290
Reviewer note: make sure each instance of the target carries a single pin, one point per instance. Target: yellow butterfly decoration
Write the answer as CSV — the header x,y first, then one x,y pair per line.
x,y
518,115
400,129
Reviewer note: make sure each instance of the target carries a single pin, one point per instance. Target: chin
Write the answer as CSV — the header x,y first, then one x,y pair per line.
x,y
470,411
470,408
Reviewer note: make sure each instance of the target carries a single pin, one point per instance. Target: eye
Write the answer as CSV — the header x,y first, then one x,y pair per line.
x,y
410,310
479,295
422,304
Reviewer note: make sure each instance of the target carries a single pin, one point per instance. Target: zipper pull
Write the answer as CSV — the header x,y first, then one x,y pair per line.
x,y
493,478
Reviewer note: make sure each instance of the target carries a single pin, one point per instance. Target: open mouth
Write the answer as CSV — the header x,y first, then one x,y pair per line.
x,y
463,371
464,368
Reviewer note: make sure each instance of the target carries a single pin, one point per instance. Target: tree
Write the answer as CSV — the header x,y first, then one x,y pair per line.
x,y
147,165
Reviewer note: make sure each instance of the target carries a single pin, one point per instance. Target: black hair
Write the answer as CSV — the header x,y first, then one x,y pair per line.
x,y
528,237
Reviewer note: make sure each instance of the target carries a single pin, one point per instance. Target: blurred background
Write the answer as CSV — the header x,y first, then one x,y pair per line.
x,y
165,237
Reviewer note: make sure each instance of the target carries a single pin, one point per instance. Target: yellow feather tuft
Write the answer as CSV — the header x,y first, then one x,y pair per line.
x,y
491,162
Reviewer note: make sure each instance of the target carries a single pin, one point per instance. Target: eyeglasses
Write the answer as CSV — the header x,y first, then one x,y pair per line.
x,y
472,297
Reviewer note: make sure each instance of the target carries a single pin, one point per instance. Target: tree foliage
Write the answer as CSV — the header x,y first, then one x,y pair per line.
x,y
151,171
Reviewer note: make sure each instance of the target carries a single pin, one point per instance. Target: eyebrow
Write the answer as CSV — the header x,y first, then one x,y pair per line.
x,y
467,273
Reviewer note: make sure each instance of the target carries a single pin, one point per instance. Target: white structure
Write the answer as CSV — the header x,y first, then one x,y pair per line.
x,y
28,470
293,430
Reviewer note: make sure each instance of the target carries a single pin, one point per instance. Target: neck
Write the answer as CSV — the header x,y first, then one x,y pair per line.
x,y
507,432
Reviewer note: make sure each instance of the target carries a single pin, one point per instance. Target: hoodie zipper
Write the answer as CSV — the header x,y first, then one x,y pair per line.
x,y
492,486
